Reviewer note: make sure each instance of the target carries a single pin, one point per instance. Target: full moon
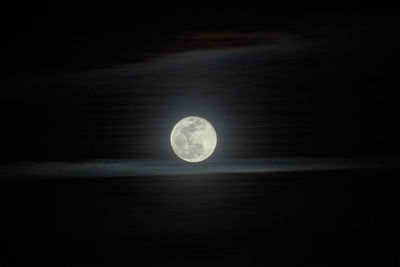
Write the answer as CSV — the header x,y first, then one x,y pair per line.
x,y
193,139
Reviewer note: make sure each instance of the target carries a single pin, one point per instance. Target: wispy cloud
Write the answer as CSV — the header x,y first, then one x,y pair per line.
x,y
133,168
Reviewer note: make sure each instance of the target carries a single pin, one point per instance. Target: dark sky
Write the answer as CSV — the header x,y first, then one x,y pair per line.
x,y
303,99
109,81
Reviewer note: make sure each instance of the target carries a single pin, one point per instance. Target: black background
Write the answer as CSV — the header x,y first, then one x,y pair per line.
x,y
328,89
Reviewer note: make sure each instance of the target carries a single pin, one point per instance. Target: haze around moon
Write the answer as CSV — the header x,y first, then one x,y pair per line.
x,y
193,139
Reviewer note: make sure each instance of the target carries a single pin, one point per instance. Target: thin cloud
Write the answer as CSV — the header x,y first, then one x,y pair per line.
x,y
135,168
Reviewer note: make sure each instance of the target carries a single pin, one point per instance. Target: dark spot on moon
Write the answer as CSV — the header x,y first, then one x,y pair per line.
x,y
199,149
180,141
195,150
191,128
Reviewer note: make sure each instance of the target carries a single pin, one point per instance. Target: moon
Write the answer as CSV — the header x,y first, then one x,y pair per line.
x,y
193,139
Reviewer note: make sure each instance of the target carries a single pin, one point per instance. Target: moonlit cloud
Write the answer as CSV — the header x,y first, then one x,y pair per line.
x,y
133,168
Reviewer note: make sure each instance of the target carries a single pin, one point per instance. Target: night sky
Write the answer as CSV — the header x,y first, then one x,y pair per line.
x,y
303,99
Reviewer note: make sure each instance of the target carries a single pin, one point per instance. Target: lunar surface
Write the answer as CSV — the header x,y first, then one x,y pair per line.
x,y
193,139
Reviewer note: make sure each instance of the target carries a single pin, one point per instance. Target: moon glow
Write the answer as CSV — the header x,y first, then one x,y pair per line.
x,y
193,139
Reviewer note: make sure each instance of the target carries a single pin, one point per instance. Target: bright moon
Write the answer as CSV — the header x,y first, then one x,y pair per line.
x,y
193,139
